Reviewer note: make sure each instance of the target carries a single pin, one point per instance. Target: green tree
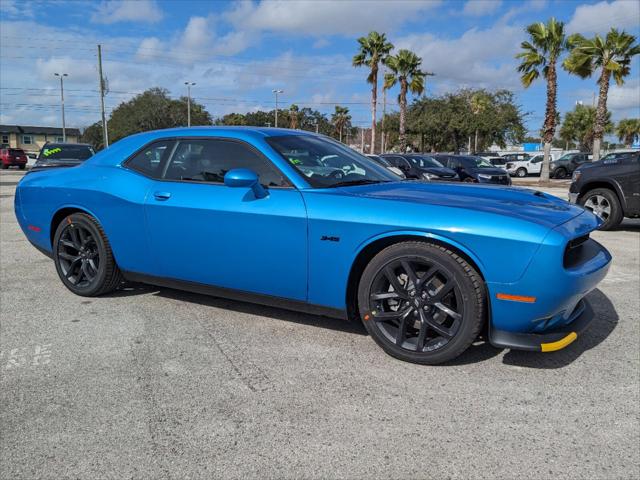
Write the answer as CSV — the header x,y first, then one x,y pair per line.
x,y
405,70
478,103
93,136
373,50
578,126
153,110
611,56
341,120
540,55
628,131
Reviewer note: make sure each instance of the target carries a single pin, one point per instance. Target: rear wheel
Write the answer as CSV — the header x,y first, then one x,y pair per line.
x,y
83,256
603,203
421,302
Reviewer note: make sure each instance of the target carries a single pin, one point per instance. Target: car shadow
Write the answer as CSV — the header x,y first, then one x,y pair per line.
x,y
628,225
130,289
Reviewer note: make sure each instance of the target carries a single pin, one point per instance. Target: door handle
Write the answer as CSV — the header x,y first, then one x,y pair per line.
x,y
161,196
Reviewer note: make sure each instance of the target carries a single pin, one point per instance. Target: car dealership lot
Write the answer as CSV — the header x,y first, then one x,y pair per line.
x,y
159,383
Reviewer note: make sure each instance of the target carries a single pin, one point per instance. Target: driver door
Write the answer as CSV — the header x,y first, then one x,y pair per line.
x,y
206,232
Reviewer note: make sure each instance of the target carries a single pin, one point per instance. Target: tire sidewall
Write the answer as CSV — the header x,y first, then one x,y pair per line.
x,y
472,315
86,222
615,216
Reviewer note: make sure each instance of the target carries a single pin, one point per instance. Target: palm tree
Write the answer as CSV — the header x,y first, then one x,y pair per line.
x,y
374,49
479,103
540,54
612,56
340,118
293,116
628,131
405,70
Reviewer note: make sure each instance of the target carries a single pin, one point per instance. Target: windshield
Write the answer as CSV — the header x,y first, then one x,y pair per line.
x,y
16,151
423,161
325,163
478,162
65,152
568,156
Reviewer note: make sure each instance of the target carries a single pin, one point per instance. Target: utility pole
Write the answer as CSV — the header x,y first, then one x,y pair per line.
x,y
276,91
62,75
362,140
316,125
189,85
105,132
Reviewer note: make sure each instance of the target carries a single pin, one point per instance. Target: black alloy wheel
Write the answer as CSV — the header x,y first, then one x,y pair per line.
x,y
83,257
421,302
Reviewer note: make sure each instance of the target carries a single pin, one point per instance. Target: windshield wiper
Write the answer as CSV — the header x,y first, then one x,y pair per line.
x,y
362,181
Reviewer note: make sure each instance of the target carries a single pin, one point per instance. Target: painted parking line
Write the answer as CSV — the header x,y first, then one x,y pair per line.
x,y
25,357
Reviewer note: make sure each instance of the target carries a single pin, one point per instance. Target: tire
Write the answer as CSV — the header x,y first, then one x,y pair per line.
x,y
521,172
445,302
603,203
4,166
21,167
560,172
83,257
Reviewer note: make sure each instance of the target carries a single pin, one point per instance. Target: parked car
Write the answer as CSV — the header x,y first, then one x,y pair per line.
x,y
421,166
496,161
63,155
423,264
474,169
10,157
522,168
609,188
566,164
516,157
381,161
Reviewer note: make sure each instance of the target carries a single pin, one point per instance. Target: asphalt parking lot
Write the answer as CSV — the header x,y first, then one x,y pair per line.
x,y
157,383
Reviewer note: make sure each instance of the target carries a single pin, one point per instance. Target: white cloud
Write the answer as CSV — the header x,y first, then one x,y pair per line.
x,y
625,98
600,17
325,17
114,11
478,8
479,58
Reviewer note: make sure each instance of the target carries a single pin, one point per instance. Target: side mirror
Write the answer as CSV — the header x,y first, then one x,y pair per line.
x,y
245,178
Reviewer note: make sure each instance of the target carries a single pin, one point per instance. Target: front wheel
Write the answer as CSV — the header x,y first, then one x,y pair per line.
x,y
83,257
521,172
421,302
604,204
21,167
560,173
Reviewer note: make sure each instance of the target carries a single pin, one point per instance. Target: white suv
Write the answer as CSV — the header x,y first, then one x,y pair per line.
x,y
522,168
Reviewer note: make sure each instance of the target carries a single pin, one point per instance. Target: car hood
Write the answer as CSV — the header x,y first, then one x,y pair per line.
x,y
515,202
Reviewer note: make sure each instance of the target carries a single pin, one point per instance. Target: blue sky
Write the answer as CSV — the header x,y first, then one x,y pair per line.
x,y
238,52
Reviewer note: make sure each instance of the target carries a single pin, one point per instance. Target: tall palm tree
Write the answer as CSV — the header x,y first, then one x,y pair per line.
x,y
293,116
479,103
405,70
340,119
628,131
540,54
374,49
612,57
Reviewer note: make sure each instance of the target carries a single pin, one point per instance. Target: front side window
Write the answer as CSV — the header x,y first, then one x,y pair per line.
x,y
208,160
325,163
148,161
27,140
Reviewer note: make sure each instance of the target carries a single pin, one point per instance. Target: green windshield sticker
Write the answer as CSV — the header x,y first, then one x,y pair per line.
x,y
295,161
51,151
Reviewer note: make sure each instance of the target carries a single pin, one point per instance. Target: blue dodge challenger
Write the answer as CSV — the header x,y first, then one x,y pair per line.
x,y
296,220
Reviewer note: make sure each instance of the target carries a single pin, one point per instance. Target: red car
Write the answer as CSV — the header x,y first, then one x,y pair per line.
x,y
13,156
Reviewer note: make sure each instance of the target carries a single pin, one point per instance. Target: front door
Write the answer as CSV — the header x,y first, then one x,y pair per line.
x,y
203,231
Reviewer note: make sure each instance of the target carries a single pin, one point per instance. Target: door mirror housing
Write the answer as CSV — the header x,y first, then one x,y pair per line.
x,y
245,178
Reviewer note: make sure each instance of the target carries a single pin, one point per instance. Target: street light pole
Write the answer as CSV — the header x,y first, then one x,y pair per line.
x,y
276,91
62,75
189,85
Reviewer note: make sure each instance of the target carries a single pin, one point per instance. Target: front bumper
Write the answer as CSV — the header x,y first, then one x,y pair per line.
x,y
549,341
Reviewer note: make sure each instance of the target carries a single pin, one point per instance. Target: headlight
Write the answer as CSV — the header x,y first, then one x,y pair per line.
x,y
430,176
576,175
484,176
